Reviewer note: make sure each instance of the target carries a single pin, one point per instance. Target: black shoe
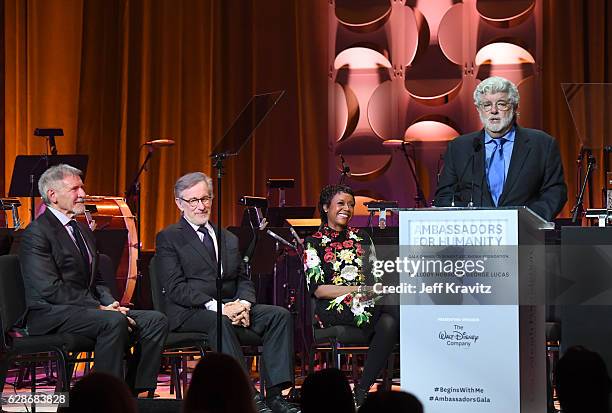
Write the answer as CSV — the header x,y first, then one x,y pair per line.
x,y
280,405
260,403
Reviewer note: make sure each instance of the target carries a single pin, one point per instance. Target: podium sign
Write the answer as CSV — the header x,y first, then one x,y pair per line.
x,y
468,341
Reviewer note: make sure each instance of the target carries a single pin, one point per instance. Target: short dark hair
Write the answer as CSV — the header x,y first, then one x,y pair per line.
x,y
327,193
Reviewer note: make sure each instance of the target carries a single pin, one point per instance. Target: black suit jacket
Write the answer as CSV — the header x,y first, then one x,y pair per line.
x,y
56,281
188,274
535,176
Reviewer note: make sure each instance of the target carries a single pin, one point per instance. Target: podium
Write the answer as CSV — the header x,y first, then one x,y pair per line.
x,y
478,346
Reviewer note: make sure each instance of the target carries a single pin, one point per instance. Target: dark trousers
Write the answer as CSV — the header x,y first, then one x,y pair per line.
x,y
110,330
273,324
385,335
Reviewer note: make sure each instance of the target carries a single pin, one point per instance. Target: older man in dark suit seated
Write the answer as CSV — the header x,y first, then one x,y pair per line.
x,y
65,292
186,253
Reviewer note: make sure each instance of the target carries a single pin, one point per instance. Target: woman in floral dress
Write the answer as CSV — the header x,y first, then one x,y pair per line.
x,y
337,262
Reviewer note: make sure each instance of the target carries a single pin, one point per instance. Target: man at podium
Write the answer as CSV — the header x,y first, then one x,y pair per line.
x,y
502,164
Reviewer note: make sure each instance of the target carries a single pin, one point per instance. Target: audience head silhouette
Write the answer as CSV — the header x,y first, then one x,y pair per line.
x,y
327,391
391,401
87,395
219,385
583,384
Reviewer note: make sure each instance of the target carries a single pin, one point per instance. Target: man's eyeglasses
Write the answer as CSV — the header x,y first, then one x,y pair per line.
x,y
501,105
193,202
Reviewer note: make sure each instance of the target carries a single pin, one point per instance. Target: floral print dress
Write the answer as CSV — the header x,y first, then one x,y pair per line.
x,y
340,258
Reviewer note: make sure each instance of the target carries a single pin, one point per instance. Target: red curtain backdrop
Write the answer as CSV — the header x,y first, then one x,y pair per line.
x,y
115,73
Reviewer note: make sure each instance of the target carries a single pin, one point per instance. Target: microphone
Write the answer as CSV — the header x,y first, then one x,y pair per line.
x,y
280,239
476,146
296,237
157,143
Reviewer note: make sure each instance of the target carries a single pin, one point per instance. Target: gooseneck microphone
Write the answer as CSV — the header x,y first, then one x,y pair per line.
x,y
477,147
280,239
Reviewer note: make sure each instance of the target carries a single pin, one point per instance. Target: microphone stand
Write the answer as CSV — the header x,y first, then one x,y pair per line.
x,y
218,165
420,196
578,208
134,191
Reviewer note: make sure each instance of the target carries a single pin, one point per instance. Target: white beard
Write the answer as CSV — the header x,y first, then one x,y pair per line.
x,y
506,119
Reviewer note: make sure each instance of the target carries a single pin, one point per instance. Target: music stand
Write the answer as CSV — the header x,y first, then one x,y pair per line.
x,y
28,169
230,144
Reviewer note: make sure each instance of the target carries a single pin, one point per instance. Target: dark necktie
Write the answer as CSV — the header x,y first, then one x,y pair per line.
x,y
208,243
78,237
497,170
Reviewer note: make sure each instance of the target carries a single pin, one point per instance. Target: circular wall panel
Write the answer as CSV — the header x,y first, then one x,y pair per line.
x,y
449,34
527,92
431,131
346,111
363,16
505,13
503,53
384,106
361,58
365,155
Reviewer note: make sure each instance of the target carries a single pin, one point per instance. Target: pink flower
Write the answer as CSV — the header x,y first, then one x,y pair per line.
x,y
317,234
359,250
348,243
348,299
328,249
329,257
336,245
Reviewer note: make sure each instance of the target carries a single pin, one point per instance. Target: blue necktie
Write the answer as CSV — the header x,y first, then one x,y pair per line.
x,y
497,170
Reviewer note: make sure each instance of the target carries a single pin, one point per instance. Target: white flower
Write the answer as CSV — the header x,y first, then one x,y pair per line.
x,y
349,272
336,266
340,298
312,259
358,307
325,239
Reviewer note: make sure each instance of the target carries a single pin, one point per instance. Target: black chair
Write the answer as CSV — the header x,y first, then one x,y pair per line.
x,y
342,340
31,349
179,344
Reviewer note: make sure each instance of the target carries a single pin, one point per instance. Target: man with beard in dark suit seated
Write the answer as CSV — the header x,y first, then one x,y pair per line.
x,y
186,259
65,292
503,164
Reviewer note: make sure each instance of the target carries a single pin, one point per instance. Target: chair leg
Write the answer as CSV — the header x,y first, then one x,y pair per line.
x,y
4,365
262,375
63,376
33,387
185,373
335,355
172,375
177,374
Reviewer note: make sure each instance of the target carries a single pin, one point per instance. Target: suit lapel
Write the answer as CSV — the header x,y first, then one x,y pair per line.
x,y
194,241
64,240
520,151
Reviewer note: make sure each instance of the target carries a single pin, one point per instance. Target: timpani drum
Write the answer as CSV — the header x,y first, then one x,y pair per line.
x,y
106,216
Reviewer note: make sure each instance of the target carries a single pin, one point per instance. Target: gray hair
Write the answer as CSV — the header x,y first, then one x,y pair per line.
x,y
50,178
494,85
191,179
